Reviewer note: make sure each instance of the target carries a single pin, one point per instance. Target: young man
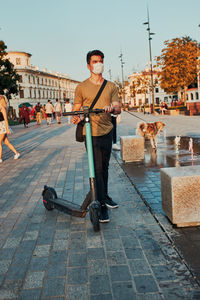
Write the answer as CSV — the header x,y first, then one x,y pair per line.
x,y
49,110
58,111
68,108
101,124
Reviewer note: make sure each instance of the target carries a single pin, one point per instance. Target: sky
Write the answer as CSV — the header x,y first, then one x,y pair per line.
x,y
59,33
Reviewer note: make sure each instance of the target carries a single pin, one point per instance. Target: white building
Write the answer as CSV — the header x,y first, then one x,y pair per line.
x,y
39,86
142,97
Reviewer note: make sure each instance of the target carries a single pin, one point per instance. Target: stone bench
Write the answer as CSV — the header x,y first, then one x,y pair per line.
x,y
132,148
180,188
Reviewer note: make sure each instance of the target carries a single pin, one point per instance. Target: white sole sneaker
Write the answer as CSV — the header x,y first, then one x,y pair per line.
x,y
112,206
1,161
17,156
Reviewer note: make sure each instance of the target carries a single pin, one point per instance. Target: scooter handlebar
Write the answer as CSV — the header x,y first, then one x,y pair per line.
x,y
82,112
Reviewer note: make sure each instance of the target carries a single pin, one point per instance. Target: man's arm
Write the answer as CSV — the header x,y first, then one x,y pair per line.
x,y
76,119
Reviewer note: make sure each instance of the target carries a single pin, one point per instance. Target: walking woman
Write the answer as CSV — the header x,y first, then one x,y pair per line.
x,y
4,128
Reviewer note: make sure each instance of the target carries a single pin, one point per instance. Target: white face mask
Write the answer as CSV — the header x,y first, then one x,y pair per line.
x,y
98,68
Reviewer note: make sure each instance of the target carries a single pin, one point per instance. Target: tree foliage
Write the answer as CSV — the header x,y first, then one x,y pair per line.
x,y
179,64
8,76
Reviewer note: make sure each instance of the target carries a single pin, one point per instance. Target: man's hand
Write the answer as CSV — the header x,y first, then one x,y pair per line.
x,y
75,119
108,109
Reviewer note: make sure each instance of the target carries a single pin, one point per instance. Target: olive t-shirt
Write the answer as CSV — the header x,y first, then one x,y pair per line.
x,y
85,93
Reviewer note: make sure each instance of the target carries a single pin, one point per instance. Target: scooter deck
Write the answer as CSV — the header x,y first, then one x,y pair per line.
x,y
68,207
51,201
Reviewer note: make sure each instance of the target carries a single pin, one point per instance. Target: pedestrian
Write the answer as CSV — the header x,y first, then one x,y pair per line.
x,y
101,124
25,115
38,113
68,108
49,110
58,111
4,128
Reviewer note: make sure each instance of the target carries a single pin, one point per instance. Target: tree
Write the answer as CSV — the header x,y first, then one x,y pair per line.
x,y
8,76
179,64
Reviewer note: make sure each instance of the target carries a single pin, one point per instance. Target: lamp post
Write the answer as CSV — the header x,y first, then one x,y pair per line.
x,y
122,63
150,55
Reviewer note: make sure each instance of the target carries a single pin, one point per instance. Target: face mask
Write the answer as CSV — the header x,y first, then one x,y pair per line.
x,y
98,68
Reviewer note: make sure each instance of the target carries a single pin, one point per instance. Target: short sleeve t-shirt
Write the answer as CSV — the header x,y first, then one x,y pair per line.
x,y
85,93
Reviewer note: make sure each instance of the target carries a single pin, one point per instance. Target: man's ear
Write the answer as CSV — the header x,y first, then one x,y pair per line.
x,y
88,66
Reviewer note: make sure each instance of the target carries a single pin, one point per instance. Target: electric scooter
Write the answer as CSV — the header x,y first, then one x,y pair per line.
x,y
50,198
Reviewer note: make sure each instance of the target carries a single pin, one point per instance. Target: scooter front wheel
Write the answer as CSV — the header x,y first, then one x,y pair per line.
x,y
94,211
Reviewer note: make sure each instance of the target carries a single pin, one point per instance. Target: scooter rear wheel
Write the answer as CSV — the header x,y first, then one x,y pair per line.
x,y
94,211
47,205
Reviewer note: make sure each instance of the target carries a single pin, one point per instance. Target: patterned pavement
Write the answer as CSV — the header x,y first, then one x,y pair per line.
x,y
50,255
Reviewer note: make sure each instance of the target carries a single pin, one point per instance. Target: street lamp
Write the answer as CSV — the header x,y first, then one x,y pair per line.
x,y
150,55
122,63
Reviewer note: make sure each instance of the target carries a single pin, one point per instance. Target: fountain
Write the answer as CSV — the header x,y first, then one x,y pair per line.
x,y
191,148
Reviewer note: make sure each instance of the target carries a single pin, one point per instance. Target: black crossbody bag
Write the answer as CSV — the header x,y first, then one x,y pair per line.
x,y
80,125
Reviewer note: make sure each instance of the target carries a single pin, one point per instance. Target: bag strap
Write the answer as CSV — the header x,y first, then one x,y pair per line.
x,y
98,94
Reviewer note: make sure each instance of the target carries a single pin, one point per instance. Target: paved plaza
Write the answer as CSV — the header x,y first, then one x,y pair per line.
x,y
50,255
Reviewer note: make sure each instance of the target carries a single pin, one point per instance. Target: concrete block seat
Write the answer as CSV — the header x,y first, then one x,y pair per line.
x,y
180,188
132,148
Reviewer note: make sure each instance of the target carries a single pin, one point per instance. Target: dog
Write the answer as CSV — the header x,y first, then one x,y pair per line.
x,y
150,131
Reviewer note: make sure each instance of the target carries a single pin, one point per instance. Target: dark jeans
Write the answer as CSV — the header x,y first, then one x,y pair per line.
x,y
102,146
114,122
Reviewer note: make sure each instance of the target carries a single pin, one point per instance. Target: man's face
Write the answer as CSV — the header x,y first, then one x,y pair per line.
x,y
94,60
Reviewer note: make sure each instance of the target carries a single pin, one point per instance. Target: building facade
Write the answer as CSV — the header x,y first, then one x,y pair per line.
x,y
39,86
139,89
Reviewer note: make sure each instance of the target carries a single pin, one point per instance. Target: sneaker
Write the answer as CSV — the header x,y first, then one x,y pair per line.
x,y
17,156
104,218
1,161
110,203
116,147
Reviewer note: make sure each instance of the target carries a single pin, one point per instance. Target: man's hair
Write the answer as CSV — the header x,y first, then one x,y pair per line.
x,y
94,52
38,103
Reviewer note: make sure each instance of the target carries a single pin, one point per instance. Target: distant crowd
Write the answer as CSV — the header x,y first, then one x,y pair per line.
x,y
44,112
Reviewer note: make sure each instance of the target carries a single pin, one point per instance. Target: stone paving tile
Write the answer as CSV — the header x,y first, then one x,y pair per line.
x,y
145,284
77,275
34,280
99,284
33,294
124,291
78,292
54,287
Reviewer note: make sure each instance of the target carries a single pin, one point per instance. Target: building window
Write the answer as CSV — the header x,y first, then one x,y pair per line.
x,y
18,61
20,78
29,78
158,100
197,95
42,81
30,93
33,79
157,90
21,93
38,80
34,93
39,94
192,96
